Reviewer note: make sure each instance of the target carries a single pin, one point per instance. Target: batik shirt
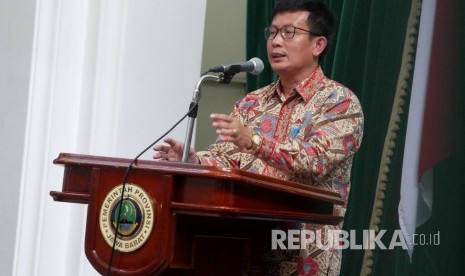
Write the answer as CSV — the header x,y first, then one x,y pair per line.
x,y
309,137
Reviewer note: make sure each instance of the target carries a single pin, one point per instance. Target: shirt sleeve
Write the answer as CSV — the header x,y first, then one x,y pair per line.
x,y
220,154
335,134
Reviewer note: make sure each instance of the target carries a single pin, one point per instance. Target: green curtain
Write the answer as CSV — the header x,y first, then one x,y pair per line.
x,y
368,60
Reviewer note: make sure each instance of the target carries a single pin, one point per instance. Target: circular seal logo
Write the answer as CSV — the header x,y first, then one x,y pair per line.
x,y
136,217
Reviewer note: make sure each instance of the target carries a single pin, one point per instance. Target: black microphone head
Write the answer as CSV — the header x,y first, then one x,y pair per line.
x,y
254,66
258,65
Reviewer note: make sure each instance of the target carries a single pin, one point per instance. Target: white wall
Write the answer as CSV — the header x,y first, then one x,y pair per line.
x,y
89,76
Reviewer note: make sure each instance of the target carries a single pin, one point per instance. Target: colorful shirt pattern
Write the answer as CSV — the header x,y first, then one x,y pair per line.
x,y
309,137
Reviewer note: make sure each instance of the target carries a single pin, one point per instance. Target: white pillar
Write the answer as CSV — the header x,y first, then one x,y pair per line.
x,y
107,78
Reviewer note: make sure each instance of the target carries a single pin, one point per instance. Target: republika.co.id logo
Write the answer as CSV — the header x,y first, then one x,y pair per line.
x,y
136,220
341,239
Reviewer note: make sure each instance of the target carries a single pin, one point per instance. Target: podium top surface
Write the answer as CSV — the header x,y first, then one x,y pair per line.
x,y
187,169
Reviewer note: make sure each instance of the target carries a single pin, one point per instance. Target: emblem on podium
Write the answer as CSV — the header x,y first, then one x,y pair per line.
x,y
136,217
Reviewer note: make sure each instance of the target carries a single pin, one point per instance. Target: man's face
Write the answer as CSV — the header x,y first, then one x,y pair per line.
x,y
293,57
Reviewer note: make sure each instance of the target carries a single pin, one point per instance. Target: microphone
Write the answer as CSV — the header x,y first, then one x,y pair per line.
x,y
254,66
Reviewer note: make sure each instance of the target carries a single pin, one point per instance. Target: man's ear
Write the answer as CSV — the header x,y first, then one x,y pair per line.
x,y
320,44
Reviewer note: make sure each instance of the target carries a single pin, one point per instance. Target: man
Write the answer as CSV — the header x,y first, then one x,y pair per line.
x,y
304,127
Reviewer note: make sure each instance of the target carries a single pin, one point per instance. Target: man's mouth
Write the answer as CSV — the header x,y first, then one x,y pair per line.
x,y
277,55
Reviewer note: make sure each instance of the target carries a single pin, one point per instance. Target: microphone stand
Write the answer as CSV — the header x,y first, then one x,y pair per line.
x,y
193,114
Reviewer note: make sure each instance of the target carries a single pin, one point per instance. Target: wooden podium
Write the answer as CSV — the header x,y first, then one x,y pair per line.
x,y
184,219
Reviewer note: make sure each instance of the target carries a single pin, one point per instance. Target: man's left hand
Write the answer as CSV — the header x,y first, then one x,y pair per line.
x,y
230,129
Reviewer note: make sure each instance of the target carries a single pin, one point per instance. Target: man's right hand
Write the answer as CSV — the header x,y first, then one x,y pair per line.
x,y
173,151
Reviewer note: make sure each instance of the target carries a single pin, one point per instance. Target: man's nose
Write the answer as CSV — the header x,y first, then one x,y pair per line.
x,y
277,40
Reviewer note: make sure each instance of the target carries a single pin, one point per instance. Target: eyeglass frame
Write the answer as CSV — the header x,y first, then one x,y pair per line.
x,y
281,32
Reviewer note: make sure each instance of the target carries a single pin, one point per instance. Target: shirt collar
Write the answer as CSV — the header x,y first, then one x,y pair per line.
x,y
306,88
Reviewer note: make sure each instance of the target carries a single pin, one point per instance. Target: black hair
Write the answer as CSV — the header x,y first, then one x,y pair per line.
x,y
321,20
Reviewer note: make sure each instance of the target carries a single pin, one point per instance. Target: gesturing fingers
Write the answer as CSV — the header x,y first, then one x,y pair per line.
x,y
231,129
221,118
224,124
171,151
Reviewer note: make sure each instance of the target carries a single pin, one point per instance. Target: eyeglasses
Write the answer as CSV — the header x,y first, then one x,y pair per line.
x,y
286,31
